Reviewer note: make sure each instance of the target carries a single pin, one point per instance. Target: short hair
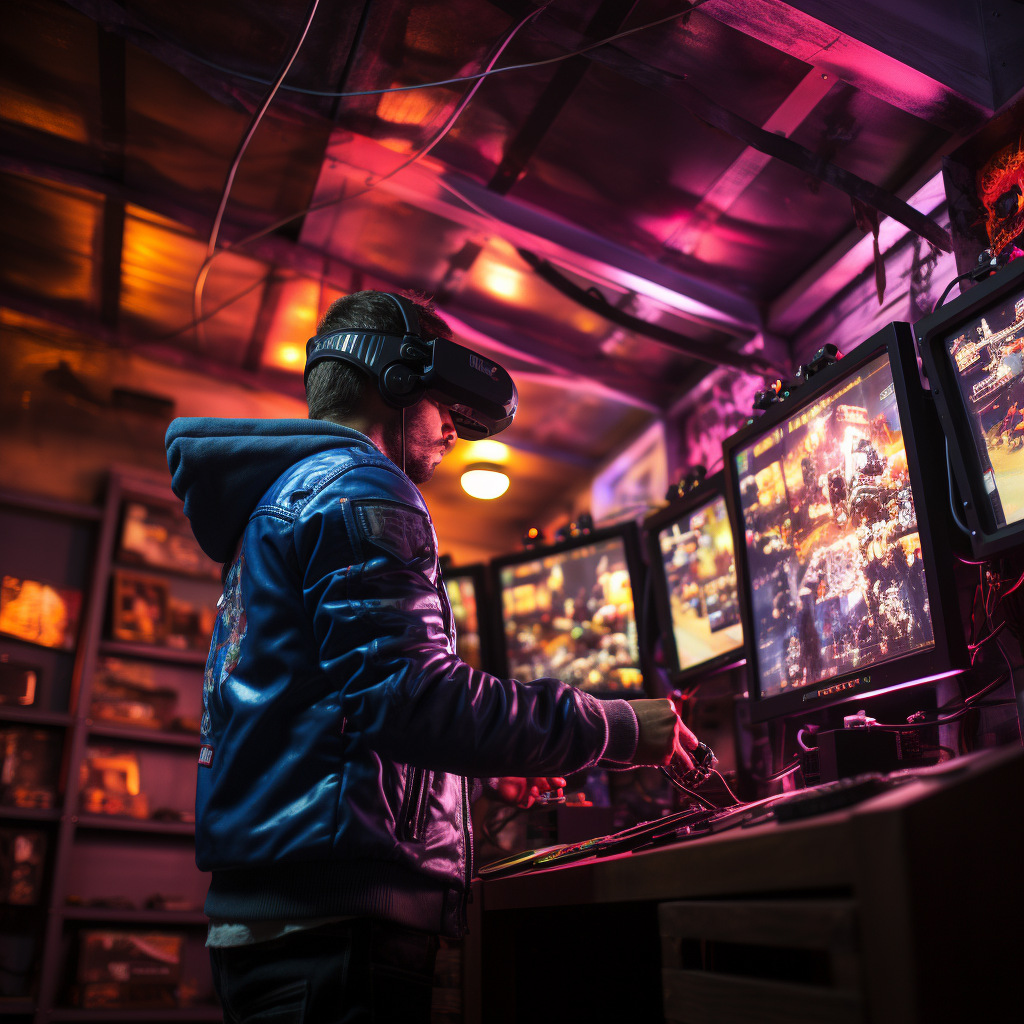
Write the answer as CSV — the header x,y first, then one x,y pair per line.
x,y
334,388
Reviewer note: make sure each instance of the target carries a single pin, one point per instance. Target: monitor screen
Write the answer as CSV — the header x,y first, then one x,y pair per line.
x,y
836,578
987,356
462,598
570,615
696,551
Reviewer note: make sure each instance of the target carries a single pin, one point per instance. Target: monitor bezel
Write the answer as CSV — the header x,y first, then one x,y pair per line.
x,y
986,538
927,471
711,488
477,572
630,537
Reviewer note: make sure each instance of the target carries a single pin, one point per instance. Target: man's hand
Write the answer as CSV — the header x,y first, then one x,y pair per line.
x,y
662,733
523,792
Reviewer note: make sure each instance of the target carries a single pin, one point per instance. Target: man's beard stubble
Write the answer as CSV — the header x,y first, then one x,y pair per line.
x,y
420,449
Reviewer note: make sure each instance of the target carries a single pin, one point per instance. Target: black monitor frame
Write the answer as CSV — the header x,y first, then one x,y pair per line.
x,y
927,471
477,572
710,489
987,539
630,536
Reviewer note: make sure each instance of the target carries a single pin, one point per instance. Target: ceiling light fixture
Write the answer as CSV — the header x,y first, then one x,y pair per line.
x,y
484,480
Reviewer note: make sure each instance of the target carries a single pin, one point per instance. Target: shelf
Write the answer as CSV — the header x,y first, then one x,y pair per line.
x,y
166,739
30,813
51,506
20,1006
120,564
30,716
152,653
146,916
9,638
189,1013
119,824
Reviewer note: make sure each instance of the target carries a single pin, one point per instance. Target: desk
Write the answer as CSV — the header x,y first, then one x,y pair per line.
x,y
905,908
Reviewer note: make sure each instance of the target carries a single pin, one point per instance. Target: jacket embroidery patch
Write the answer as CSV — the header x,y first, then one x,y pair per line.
x,y
228,634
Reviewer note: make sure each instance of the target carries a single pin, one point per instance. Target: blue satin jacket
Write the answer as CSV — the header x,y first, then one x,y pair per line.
x,y
340,730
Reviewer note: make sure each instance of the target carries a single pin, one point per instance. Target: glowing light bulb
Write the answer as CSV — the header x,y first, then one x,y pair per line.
x,y
484,480
487,451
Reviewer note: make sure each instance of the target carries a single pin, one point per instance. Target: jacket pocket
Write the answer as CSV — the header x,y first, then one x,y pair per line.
x,y
412,819
399,530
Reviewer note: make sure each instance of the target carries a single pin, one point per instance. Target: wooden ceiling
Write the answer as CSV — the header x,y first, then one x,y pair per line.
x,y
651,174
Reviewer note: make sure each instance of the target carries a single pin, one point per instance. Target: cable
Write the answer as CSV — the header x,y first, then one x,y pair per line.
x,y
210,314
445,128
800,740
985,639
952,504
780,774
694,795
721,779
949,288
479,76
211,245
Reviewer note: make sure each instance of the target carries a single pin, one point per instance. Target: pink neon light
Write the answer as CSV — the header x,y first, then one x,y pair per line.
x,y
901,686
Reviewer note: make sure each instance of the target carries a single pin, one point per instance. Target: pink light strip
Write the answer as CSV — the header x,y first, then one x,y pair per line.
x,y
902,686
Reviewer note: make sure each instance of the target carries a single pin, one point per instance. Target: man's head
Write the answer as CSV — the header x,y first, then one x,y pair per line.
x,y
342,393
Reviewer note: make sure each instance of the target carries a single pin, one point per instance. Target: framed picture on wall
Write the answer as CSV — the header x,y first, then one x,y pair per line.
x,y
162,537
39,613
140,608
18,682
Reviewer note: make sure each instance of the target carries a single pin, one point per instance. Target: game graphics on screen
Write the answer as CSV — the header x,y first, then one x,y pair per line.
x,y
989,358
570,616
833,551
701,572
462,598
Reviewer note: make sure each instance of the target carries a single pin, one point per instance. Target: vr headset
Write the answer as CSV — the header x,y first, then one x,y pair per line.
x,y
481,395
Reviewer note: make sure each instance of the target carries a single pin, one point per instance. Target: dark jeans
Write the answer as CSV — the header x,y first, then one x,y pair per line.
x,y
352,972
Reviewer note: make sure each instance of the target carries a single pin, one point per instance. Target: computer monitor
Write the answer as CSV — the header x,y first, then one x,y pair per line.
x,y
569,612
467,594
973,353
693,579
846,583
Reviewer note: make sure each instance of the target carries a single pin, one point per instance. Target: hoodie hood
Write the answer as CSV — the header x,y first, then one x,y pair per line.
x,y
221,468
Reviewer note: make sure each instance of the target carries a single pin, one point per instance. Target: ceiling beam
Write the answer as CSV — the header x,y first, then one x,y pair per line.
x,y
928,61
607,20
429,187
303,259
733,181
846,260
565,369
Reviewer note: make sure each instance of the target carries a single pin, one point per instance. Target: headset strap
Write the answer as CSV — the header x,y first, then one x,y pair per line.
x,y
409,315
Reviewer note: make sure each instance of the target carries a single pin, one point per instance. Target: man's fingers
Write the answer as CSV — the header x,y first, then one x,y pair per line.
x,y
689,740
683,756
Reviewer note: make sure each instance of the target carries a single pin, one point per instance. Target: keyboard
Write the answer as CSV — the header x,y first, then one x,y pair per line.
x,y
693,823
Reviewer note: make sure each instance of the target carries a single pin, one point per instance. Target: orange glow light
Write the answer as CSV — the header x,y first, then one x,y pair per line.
x,y
293,324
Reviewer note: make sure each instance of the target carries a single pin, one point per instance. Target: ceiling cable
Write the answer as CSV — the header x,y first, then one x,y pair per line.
x,y
479,76
211,245
213,252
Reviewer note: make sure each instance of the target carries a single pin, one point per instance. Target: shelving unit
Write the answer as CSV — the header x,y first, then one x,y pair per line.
x,y
80,843
166,739
148,653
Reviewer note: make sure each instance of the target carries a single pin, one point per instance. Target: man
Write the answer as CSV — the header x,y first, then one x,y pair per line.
x,y
340,730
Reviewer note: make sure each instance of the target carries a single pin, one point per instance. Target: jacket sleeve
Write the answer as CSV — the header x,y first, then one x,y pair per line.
x,y
379,621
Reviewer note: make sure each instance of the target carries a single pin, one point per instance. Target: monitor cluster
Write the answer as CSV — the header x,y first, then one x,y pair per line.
x,y
822,554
